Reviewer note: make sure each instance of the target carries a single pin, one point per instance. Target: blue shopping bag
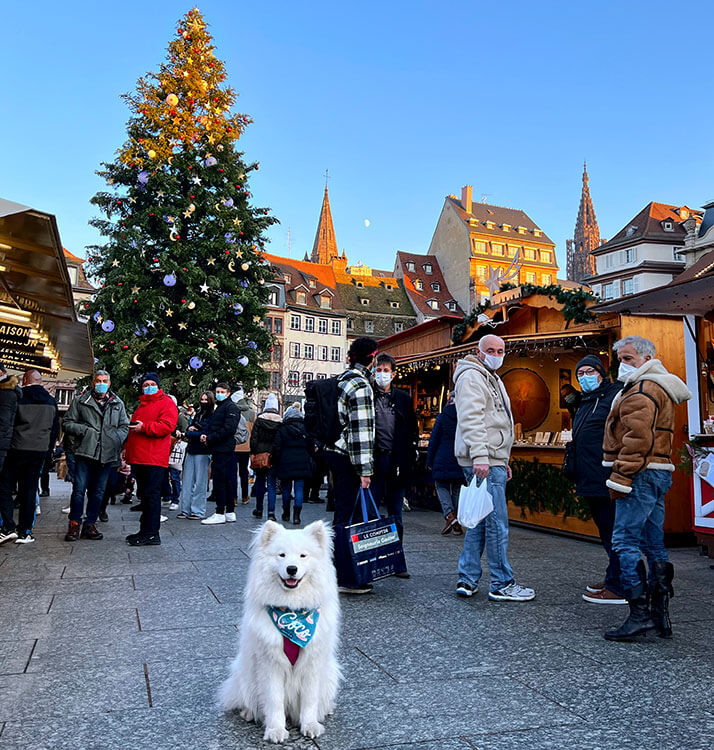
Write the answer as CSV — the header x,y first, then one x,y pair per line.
x,y
371,545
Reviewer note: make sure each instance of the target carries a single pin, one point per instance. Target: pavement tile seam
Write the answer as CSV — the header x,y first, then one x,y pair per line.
x,y
548,698
377,664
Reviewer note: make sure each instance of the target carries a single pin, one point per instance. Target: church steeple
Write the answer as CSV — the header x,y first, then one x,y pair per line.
x,y
325,247
586,238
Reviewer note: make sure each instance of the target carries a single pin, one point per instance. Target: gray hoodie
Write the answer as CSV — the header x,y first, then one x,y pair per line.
x,y
484,433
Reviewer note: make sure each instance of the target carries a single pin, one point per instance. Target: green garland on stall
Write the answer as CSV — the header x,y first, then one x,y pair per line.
x,y
459,330
574,303
539,487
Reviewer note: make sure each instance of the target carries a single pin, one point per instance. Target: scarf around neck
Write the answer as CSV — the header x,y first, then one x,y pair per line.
x,y
297,628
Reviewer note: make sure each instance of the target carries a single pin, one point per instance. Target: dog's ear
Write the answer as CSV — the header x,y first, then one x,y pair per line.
x,y
320,533
269,530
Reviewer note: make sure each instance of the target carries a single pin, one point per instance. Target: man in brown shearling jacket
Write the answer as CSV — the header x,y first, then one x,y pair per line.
x,y
637,447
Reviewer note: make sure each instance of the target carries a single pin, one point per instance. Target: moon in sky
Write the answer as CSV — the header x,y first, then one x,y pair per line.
x,y
366,222
136,359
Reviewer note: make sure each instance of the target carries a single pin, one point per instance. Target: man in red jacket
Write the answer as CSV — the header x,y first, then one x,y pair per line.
x,y
147,450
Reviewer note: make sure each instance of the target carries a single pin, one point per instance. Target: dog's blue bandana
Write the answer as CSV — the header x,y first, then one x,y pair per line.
x,y
296,627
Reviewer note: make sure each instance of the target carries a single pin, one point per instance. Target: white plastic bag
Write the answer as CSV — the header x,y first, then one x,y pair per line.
x,y
475,503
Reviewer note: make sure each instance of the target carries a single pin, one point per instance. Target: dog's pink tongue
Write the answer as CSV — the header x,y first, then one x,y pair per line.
x,y
292,650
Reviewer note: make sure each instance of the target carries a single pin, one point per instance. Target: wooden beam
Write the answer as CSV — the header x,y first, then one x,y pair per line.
x,y
24,245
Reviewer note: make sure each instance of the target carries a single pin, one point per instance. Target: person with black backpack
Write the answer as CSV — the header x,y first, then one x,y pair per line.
x,y
339,415
262,438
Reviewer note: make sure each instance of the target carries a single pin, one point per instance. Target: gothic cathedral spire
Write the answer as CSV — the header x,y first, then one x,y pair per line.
x,y
581,263
325,247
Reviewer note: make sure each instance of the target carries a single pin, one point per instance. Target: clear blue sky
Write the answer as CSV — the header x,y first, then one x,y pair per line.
x,y
404,102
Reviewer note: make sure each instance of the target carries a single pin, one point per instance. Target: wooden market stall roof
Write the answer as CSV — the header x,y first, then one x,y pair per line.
x,y
36,295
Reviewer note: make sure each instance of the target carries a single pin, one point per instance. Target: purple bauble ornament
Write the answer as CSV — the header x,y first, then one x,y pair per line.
x,y
211,161
143,177
230,237
195,363
243,360
252,345
228,202
108,326
238,308
170,279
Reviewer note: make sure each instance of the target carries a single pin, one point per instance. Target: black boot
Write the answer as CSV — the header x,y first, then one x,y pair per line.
x,y
639,619
296,516
286,513
660,593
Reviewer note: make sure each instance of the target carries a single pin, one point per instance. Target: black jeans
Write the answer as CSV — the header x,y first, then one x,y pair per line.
x,y
223,472
313,485
23,468
388,489
45,476
603,513
346,487
243,459
149,481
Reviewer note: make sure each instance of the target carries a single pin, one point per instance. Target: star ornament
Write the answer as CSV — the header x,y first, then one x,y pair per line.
x,y
115,263
211,261
211,344
161,364
186,214
182,326
169,313
135,289
204,288
196,180
237,221
160,194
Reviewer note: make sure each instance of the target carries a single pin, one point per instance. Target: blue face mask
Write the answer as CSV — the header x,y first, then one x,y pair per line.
x,y
101,388
588,383
221,396
150,390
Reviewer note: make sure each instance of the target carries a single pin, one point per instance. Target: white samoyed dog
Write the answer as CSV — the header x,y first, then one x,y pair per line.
x,y
286,666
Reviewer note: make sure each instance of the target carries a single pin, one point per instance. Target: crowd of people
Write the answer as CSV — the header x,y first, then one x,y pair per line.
x,y
619,460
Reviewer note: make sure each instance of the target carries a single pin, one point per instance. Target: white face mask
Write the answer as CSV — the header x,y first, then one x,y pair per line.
x,y
382,379
492,361
624,370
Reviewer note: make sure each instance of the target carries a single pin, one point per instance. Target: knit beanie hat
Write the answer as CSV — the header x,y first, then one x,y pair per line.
x,y
591,360
151,376
271,402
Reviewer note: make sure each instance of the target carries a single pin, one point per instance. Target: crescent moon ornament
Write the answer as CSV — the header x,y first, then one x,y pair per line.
x,y
232,267
171,158
113,300
217,207
135,359
190,381
174,235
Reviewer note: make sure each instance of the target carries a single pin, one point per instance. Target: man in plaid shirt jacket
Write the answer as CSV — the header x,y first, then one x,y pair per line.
x,y
352,460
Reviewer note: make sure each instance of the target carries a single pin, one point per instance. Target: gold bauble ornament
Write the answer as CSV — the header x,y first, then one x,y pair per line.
x,y
191,305
152,154
245,266
172,100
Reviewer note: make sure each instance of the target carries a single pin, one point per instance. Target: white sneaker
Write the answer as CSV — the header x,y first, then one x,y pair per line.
x,y
163,518
173,506
514,592
405,504
38,510
27,539
230,517
214,519
65,510
9,537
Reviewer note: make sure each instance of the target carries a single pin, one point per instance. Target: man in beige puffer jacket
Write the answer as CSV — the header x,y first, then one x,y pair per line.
x,y
637,447
484,436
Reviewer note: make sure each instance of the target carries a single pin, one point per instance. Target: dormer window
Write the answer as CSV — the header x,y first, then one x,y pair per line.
x,y
418,285
451,305
325,301
428,268
301,298
359,284
668,226
630,230
537,233
435,286
394,305
288,278
388,287
506,227
311,283
490,225
364,301
433,304
521,230
410,266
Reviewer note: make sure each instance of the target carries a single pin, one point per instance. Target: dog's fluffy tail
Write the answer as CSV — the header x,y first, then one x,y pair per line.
x,y
229,695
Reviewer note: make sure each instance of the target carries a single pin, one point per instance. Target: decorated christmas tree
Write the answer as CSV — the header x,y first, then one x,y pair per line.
x,y
181,269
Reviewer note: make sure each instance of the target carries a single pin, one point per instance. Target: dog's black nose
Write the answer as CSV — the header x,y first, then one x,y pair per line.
x,y
291,570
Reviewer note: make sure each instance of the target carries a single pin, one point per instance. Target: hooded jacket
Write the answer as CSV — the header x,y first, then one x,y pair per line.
x,y
9,397
484,432
588,432
248,413
440,455
223,426
640,426
152,445
264,430
96,433
292,448
36,421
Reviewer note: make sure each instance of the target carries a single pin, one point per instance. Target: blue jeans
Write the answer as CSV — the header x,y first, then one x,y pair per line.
x,y
287,485
171,489
195,485
448,491
265,477
491,533
639,521
90,477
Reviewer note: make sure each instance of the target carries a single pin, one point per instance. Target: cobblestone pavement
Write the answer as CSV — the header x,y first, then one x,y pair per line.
x,y
106,646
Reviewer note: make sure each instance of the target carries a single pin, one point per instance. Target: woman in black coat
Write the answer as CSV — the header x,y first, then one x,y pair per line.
x,y
262,437
292,459
584,465
448,475
9,396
